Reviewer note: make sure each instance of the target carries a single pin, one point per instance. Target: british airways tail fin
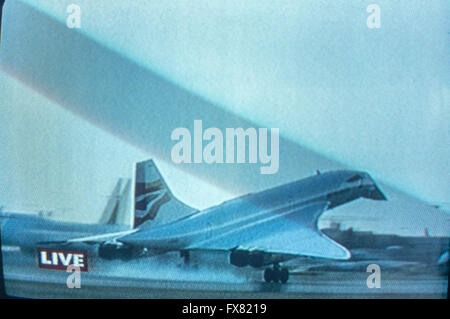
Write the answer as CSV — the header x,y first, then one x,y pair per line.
x,y
154,203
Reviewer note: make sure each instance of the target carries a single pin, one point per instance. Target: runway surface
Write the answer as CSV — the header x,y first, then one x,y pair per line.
x,y
167,277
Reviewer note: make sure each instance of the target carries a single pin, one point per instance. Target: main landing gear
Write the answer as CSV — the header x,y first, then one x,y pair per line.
x,y
276,274
186,256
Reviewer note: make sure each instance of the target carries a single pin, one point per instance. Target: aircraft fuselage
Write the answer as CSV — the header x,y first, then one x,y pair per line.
x,y
334,188
246,211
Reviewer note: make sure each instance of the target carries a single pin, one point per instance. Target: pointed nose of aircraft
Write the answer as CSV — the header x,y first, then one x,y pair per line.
x,y
373,191
376,194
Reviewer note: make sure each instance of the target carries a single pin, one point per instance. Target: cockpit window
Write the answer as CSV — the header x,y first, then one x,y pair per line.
x,y
354,178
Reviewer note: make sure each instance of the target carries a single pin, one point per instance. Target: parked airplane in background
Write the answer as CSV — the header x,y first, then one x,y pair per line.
x,y
257,230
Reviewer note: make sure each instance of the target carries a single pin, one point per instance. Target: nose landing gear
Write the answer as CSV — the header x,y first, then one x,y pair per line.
x,y
276,274
186,256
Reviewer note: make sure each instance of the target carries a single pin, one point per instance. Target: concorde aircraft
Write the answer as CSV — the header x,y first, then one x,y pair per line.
x,y
260,230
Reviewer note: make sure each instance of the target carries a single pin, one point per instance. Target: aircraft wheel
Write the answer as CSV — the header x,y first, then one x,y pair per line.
x,y
276,275
186,256
284,275
268,275
125,255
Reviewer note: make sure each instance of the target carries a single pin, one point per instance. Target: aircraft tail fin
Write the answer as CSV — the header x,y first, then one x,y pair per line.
x,y
154,203
117,210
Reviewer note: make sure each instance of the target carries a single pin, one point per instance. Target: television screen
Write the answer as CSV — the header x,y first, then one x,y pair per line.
x,y
210,149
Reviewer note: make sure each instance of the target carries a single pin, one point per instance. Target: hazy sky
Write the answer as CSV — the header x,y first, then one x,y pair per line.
x,y
52,160
375,99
